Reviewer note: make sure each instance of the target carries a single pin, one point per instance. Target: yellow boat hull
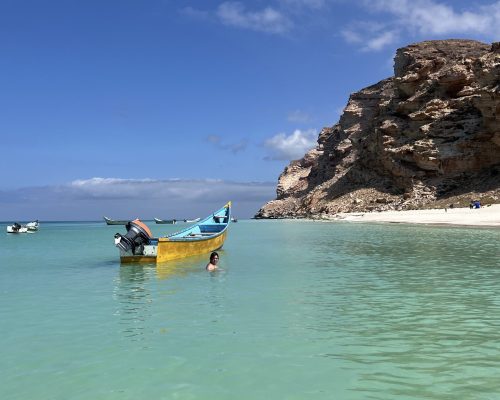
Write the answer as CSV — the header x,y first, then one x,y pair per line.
x,y
137,259
172,250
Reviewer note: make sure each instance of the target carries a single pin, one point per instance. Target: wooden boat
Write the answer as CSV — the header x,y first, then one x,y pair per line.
x,y
139,245
110,221
165,221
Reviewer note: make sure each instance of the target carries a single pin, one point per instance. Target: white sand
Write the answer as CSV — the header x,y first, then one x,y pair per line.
x,y
484,216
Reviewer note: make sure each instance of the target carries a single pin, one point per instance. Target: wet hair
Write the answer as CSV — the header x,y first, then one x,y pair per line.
x,y
213,255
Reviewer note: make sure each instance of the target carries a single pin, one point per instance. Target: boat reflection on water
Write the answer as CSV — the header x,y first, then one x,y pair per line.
x,y
181,267
134,299
135,291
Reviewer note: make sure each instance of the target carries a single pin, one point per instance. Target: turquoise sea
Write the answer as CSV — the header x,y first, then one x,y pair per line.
x,y
299,310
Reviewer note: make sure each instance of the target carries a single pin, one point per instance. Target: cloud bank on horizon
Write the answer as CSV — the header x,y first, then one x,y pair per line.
x,y
90,199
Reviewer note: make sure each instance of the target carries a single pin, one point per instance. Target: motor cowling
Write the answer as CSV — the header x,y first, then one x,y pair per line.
x,y
138,234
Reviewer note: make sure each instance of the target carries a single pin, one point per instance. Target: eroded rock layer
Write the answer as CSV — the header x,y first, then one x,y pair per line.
x,y
427,137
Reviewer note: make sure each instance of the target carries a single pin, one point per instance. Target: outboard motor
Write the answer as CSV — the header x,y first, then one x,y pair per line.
x,y
138,234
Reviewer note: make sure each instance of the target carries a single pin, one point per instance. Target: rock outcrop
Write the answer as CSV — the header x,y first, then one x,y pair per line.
x,y
427,137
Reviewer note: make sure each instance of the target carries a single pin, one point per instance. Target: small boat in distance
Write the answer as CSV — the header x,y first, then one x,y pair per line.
x,y
16,227
33,226
175,221
139,245
233,219
165,221
110,221
190,221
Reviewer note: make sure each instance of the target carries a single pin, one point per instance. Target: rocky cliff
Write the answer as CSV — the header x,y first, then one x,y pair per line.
x,y
427,137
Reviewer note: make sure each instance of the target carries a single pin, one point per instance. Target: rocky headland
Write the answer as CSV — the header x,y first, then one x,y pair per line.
x,y
428,137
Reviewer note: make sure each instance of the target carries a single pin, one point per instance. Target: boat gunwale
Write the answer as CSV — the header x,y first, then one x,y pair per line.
x,y
192,238
226,209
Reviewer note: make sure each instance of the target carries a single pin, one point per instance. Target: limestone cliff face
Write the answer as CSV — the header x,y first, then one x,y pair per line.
x,y
427,137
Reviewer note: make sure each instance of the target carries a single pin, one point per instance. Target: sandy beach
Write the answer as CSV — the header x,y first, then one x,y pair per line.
x,y
484,216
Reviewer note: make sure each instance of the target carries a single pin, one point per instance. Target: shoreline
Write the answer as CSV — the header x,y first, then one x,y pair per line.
x,y
486,216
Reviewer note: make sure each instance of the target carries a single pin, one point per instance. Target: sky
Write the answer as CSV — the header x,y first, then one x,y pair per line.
x,y
169,109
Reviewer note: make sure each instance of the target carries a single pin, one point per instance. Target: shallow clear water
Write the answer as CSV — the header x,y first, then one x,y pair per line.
x,y
300,310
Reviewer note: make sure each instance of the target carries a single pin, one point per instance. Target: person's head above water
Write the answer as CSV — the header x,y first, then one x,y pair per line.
x,y
212,265
214,257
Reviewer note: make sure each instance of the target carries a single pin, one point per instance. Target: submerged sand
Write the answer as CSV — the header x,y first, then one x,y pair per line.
x,y
484,216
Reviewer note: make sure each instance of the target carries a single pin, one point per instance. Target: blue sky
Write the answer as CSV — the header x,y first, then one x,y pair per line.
x,y
170,108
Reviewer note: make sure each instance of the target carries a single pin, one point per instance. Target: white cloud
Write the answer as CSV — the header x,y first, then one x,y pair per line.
x,y
90,199
113,188
422,19
433,17
382,40
291,147
372,36
351,35
267,20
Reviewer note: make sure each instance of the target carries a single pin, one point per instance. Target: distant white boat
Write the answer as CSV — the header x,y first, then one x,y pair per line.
x,y
33,226
165,221
16,228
